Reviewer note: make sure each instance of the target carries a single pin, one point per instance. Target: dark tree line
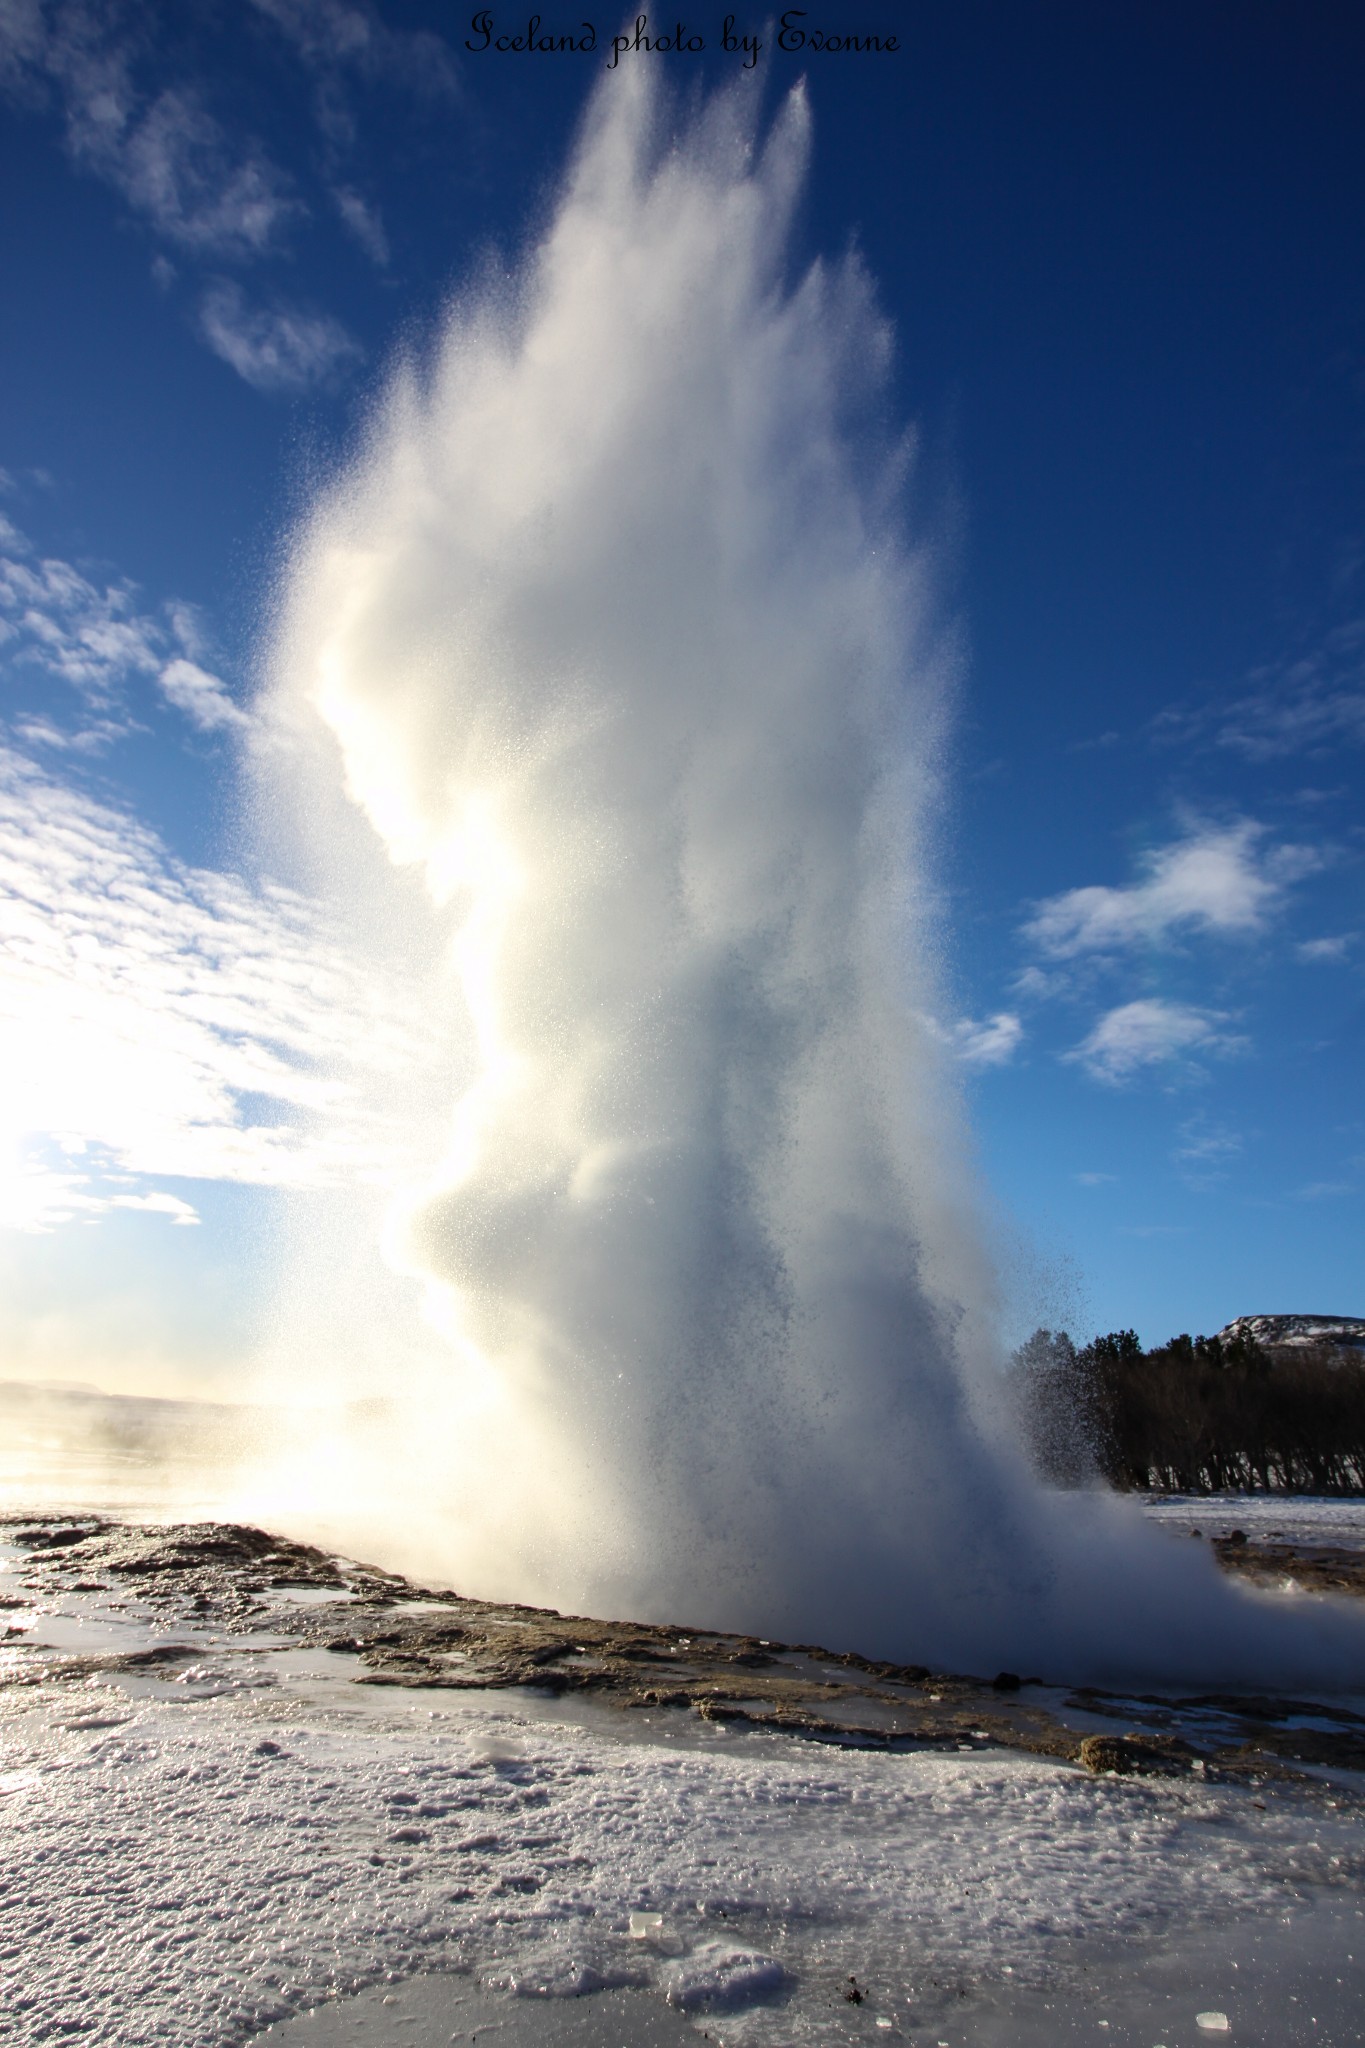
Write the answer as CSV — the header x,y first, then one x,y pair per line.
x,y
1196,1415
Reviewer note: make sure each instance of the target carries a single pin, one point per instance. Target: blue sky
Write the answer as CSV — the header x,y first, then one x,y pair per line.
x,y
1123,262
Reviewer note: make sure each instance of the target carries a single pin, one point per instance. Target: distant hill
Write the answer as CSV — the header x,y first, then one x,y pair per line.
x,y
78,1447
1279,1333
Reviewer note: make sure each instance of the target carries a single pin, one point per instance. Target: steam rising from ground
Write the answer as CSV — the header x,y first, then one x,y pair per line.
x,y
613,640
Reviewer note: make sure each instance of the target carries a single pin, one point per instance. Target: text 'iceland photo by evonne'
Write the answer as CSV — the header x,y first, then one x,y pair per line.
x,y
795,35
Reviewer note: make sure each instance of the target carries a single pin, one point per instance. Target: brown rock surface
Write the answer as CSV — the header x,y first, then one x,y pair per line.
x,y
237,1581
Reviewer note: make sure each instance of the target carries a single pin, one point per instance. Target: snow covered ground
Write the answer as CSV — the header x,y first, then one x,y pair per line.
x,y
1264,1517
195,1852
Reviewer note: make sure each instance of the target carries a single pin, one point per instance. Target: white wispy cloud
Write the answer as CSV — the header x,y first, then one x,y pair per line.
x,y
1151,1032
163,1023
92,637
341,41
1327,950
174,165
96,637
158,1204
1034,984
206,190
279,349
364,222
200,696
89,737
1216,879
1206,1152
1313,705
990,1042
1094,1180
170,159
331,35
1202,1144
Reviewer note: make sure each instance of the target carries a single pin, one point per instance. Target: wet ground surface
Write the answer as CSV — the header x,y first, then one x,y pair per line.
x,y
235,1586
433,2011
1291,1983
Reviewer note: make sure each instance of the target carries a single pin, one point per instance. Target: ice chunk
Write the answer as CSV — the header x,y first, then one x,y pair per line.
x,y
718,1978
1213,2022
646,1926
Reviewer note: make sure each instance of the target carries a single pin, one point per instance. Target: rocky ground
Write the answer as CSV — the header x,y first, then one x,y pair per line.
x,y
237,1581
1316,1567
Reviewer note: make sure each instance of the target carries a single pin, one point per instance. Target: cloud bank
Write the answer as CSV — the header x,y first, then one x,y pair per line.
x,y
161,1022
96,638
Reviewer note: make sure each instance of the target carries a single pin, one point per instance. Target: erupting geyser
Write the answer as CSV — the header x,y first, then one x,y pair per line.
x,y
614,633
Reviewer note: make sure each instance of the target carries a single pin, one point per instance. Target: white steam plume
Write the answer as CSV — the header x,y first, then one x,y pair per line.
x,y
614,635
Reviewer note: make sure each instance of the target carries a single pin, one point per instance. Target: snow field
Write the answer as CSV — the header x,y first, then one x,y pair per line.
x,y
185,1872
